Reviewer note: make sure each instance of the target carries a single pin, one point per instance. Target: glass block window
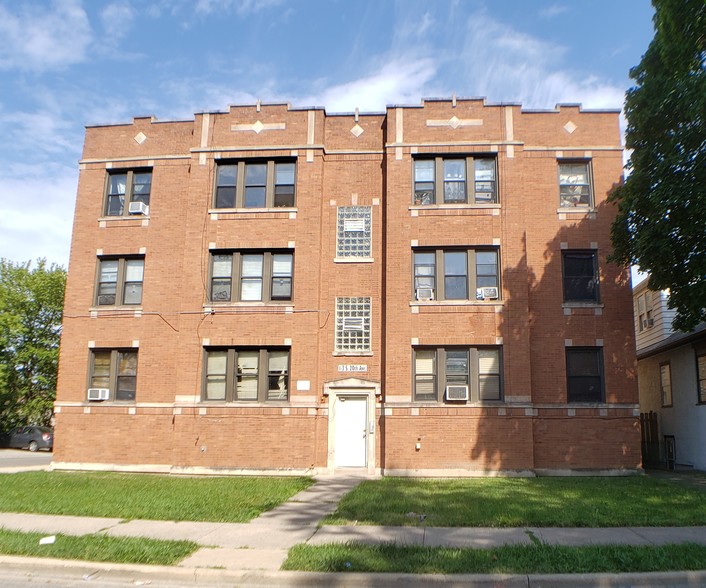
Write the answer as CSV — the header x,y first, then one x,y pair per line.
x,y
353,324
354,231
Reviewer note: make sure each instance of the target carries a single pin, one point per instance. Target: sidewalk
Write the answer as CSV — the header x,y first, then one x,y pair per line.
x,y
256,550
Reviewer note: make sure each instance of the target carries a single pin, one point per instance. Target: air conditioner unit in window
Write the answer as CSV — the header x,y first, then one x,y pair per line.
x,y
487,293
650,322
98,393
138,208
425,294
456,392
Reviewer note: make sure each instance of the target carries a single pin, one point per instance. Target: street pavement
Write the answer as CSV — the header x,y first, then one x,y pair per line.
x,y
21,460
251,554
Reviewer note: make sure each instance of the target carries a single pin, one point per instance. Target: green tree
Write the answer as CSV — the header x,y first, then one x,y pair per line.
x,y
31,303
661,223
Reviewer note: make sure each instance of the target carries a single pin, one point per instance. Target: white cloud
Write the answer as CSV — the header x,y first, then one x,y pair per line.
x,y
505,65
241,7
39,38
117,19
400,81
37,204
553,10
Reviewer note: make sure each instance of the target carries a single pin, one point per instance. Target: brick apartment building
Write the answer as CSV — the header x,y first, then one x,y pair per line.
x,y
418,292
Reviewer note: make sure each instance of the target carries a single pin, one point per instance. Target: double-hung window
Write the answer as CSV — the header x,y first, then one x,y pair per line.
x,y
354,232
665,383
126,187
120,281
584,374
251,276
457,374
575,184
114,370
353,325
581,276
701,374
456,274
455,180
246,374
255,184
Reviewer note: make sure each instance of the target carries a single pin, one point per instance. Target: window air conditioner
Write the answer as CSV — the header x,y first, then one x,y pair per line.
x,y
488,293
650,322
98,393
138,208
424,294
456,392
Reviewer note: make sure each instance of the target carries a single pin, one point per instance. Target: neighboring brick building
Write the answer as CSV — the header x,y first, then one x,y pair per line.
x,y
423,291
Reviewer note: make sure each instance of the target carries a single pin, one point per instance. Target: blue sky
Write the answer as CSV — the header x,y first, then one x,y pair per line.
x,y
69,63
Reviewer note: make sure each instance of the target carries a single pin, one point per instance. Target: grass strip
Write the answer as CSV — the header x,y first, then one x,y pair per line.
x,y
137,550
145,496
509,559
519,502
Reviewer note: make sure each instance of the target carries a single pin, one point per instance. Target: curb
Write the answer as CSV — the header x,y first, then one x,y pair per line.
x,y
41,569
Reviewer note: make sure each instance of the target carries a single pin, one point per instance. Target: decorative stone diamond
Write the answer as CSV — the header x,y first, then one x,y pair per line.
x,y
570,127
257,127
140,138
454,122
357,131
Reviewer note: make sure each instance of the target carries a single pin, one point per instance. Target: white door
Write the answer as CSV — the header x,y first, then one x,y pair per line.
x,y
351,437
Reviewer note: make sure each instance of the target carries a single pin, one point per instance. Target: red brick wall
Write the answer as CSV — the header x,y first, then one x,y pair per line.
x,y
534,428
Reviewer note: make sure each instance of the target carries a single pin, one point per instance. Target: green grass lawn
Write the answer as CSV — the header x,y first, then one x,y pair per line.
x,y
137,550
511,559
517,502
143,496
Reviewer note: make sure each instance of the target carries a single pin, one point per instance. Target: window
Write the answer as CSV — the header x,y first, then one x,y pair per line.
x,y
455,180
644,311
127,186
580,276
473,370
575,184
701,374
251,276
246,374
456,274
120,281
353,235
584,374
255,184
352,324
665,383
116,371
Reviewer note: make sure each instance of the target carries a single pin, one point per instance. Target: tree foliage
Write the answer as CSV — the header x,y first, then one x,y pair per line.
x,y
661,223
31,303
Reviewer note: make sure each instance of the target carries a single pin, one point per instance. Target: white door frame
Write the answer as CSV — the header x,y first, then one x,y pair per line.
x,y
352,387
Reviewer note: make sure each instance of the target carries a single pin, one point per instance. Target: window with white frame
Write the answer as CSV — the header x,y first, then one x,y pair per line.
x,y
457,374
124,187
665,383
455,180
120,281
575,184
456,274
701,374
246,374
114,370
354,231
353,324
251,276
255,184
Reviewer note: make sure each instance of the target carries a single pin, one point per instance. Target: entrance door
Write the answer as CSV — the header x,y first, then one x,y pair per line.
x,y
351,426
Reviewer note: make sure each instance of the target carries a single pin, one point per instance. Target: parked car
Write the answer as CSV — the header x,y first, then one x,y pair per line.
x,y
31,437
